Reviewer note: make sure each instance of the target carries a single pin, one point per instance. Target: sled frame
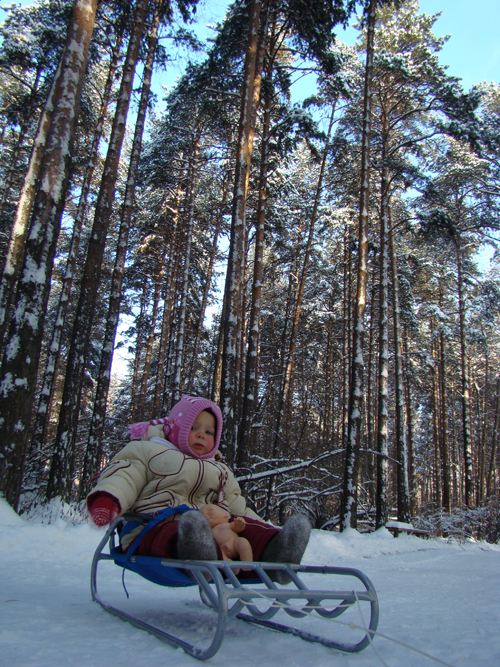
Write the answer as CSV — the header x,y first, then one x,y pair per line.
x,y
228,596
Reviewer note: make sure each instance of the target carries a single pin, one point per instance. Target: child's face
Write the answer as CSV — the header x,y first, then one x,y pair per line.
x,y
201,438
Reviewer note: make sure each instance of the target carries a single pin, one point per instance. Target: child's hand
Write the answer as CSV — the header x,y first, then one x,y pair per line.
x,y
103,509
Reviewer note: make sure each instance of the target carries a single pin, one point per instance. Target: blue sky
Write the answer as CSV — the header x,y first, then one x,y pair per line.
x,y
472,53
473,50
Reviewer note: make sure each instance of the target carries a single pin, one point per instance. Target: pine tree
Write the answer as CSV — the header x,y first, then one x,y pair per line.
x,y
22,352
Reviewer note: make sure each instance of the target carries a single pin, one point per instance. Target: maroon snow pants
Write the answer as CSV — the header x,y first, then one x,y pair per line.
x,y
161,541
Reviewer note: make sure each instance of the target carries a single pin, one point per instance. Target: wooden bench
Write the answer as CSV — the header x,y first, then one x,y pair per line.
x,y
396,530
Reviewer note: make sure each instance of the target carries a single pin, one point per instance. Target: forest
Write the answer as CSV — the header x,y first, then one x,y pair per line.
x,y
310,266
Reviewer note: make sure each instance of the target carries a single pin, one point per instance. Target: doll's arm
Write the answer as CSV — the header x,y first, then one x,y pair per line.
x,y
238,524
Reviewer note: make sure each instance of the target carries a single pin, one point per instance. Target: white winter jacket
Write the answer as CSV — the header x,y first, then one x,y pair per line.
x,y
147,477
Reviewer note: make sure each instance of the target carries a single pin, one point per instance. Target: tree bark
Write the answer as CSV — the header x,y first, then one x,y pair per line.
x,y
232,316
20,362
93,452
19,141
494,443
46,393
305,266
19,232
206,289
466,410
139,343
168,304
173,266
181,333
146,366
445,463
61,471
251,370
350,483
383,358
403,485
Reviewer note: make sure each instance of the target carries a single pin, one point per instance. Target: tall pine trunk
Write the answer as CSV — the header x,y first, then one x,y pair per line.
x,y
172,273
19,232
139,344
145,370
350,482
181,332
11,171
383,357
206,289
93,452
290,363
494,443
61,471
403,485
46,393
251,369
466,409
20,362
232,316
445,463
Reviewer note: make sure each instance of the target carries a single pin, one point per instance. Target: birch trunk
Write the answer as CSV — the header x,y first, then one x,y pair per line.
x,y
20,362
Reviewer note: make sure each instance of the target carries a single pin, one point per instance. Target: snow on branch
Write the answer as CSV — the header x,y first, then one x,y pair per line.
x,y
289,468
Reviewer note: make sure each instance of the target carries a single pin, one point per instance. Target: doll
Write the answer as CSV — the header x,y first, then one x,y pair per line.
x,y
226,534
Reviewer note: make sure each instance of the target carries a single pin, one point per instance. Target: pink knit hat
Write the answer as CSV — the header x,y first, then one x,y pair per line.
x,y
177,425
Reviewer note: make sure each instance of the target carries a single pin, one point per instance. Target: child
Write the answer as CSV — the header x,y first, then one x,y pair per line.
x,y
226,533
153,473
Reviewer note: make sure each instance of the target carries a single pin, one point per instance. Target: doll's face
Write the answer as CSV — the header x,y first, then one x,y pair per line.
x,y
201,438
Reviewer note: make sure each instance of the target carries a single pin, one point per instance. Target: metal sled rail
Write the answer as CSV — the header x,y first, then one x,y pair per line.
x,y
228,596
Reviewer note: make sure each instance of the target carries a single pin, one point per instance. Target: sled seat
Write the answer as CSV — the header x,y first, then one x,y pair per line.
x,y
227,594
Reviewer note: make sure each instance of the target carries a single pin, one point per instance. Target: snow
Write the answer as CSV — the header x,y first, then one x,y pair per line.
x,y
439,598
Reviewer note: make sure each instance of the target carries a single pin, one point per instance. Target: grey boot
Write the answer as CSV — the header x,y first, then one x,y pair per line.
x,y
288,546
195,540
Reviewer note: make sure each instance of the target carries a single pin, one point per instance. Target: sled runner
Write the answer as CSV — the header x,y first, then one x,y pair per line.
x,y
262,599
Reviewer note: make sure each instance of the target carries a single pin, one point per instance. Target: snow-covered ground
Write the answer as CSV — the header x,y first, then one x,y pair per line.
x,y
442,599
